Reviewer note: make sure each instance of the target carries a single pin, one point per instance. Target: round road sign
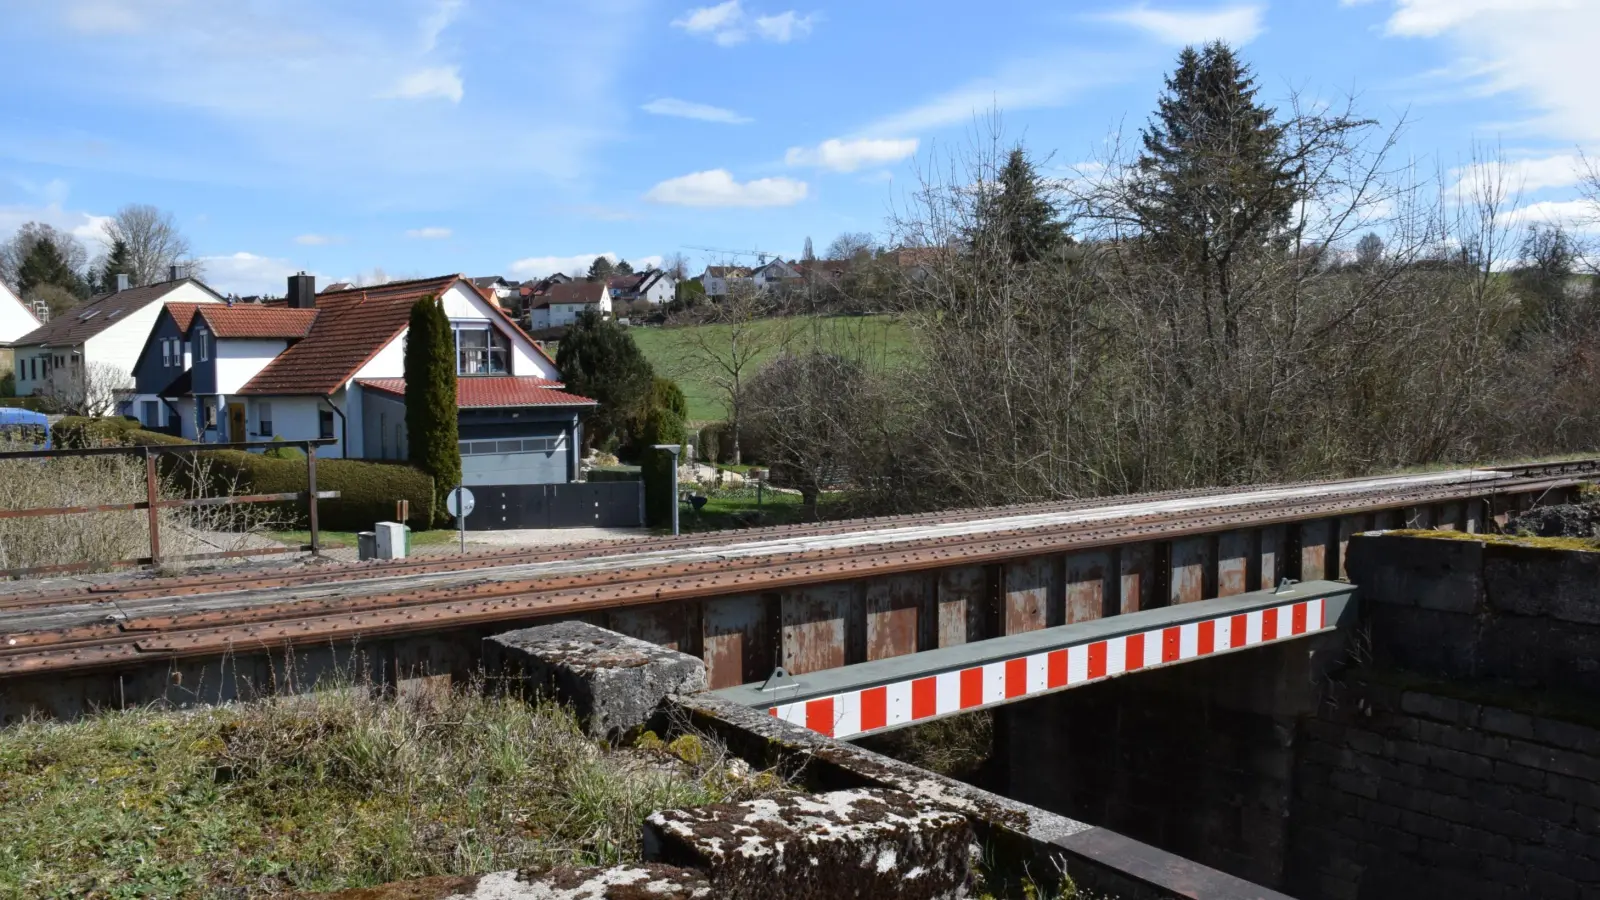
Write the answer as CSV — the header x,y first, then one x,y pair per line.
x,y
459,503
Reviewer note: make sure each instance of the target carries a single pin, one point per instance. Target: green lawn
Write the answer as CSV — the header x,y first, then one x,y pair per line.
x,y
882,339
332,540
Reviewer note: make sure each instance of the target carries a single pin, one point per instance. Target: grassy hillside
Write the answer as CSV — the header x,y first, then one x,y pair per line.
x,y
880,340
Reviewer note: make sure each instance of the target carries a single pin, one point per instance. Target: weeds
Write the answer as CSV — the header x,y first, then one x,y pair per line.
x,y
337,789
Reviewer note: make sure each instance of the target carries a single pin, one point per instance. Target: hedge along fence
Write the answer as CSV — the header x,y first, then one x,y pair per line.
x,y
367,490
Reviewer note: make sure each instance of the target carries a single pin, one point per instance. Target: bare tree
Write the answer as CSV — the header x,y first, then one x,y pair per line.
x,y
851,245
153,240
676,265
726,342
87,390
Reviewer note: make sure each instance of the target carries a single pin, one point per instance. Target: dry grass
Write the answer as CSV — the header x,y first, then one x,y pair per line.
x,y
101,538
333,790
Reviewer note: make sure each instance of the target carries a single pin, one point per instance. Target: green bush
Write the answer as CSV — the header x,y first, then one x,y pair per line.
x,y
37,404
77,432
367,490
714,445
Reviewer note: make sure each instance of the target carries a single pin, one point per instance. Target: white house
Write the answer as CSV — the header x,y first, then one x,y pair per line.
x,y
16,320
559,304
717,279
87,355
499,288
332,365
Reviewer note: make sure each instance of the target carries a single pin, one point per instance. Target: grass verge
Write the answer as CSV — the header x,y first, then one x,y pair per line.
x,y
334,540
335,790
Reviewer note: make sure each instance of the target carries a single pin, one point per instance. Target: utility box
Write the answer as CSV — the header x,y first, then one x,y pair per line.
x,y
394,540
366,545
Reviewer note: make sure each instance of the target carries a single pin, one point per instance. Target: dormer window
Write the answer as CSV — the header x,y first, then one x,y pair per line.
x,y
481,349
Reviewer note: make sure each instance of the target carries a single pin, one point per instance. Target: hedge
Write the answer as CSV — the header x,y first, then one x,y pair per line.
x,y
368,490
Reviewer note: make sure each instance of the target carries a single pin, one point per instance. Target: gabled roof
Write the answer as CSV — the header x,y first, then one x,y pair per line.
x,y
576,292
491,391
351,326
727,271
245,320
80,323
488,281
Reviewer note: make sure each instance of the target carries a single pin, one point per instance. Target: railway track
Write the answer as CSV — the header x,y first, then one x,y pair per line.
x,y
85,628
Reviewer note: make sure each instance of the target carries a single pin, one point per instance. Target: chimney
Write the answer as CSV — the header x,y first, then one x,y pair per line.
x,y
123,281
302,291
174,272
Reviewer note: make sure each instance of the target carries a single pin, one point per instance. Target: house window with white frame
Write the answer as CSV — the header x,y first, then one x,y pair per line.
x,y
481,349
200,339
264,418
166,353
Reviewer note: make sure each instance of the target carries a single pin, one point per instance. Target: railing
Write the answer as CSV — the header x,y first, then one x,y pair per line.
x,y
153,503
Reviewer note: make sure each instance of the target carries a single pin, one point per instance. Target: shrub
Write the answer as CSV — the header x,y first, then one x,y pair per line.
x,y
77,432
367,490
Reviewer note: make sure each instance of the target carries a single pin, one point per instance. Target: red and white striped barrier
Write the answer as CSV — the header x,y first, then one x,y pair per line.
x,y
870,709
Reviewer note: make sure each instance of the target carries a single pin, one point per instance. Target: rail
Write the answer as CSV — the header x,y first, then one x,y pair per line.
x,y
153,503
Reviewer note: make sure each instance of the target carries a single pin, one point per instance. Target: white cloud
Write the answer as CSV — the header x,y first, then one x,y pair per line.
x,y
717,187
1531,174
1238,24
440,82
1429,18
684,109
784,27
86,227
246,274
727,24
429,234
317,240
850,155
1573,215
1539,51
540,266
1038,83
435,22
646,262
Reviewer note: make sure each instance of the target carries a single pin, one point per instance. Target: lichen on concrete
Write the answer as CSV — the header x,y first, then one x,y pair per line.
x,y
856,843
614,683
648,881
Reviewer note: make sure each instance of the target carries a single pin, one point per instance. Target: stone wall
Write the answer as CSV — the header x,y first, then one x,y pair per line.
x,y
1403,792
1196,759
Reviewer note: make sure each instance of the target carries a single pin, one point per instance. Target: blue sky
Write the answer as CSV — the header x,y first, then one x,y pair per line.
x,y
518,136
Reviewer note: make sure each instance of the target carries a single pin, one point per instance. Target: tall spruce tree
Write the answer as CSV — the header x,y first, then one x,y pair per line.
x,y
47,264
1021,209
600,269
1213,178
118,262
431,428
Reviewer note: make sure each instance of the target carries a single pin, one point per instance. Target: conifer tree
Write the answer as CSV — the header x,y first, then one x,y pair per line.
x,y
432,434
118,262
1213,178
1022,210
599,360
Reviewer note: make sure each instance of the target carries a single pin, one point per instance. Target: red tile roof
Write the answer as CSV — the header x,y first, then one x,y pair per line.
x,y
576,292
246,320
351,327
479,392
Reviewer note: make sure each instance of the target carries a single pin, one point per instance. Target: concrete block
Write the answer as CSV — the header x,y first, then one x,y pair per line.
x,y
1520,776
1567,735
625,882
1504,721
855,843
614,683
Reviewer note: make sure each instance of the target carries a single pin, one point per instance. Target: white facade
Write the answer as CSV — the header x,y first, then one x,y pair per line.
x,y
16,319
106,360
239,360
660,288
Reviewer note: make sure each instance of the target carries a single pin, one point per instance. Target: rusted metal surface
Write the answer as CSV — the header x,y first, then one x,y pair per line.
x,y
1272,560
814,629
1135,576
1193,560
1316,539
962,594
1031,588
736,639
896,610
741,640
1088,582
666,624
1237,555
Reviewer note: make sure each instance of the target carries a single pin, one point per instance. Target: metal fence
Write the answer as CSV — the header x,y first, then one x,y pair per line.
x,y
153,503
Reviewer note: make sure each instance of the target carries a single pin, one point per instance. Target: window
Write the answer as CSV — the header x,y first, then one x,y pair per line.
x,y
208,414
201,342
33,366
166,352
264,418
150,414
325,423
481,349
545,445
